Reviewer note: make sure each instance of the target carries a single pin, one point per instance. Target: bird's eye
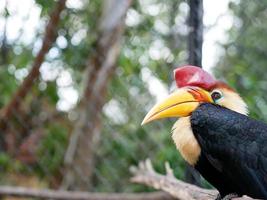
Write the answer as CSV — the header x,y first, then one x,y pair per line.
x,y
216,95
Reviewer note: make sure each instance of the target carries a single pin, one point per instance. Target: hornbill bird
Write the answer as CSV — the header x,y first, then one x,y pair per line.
x,y
214,133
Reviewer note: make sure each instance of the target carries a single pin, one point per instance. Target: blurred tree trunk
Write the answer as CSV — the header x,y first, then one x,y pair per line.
x,y
11,111
79,158
4,46
195,25
195,40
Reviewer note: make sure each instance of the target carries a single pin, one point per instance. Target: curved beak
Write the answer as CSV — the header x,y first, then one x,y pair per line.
x,y
180,103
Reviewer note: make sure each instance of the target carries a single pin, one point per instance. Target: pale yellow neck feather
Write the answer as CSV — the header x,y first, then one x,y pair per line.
x,y
185,140
233,101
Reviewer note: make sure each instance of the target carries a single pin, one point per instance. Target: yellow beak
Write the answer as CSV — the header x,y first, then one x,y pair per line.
x,y
181,103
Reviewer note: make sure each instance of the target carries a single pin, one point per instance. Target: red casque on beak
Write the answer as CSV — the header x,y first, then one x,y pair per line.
x,y
193,76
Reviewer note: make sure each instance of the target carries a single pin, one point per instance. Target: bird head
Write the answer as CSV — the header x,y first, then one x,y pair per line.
x,y
195,86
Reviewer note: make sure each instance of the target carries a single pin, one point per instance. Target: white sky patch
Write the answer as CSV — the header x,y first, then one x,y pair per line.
x,y
133,18
217,15
75,4
158,50
180,20
112,107
78,37
62,42
37,46
49,72
53,53
64,79
155,50
11,68
68,98
155,86
20,74
24,16
68,95
153,9
161,27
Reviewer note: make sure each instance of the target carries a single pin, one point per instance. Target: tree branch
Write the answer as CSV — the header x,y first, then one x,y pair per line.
x,y
79,157
49,38
67,195
145,174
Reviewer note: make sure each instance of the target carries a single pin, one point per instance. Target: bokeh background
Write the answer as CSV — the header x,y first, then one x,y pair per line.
x,y
76,123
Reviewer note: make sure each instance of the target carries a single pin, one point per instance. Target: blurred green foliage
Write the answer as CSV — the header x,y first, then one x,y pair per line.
x,y
52,150
154,43
151,45
243,65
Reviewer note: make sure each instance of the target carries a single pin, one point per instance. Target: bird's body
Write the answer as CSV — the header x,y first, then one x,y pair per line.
x,y
233,150
214,134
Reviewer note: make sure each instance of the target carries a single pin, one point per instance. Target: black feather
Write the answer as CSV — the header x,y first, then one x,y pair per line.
x,y
233,149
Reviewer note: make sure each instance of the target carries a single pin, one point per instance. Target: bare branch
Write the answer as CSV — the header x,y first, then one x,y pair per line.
x,y
145,174
67,195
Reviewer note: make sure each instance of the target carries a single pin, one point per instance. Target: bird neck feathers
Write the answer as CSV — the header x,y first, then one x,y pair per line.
x,y
185,140
233,101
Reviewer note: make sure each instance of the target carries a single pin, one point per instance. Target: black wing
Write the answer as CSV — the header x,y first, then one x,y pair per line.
x,y
236,146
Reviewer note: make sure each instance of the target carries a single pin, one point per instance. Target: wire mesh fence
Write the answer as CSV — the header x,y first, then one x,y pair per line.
x,y
76,124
